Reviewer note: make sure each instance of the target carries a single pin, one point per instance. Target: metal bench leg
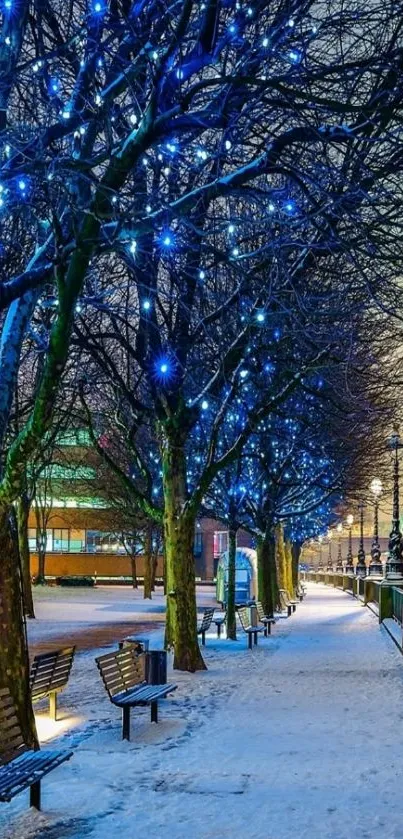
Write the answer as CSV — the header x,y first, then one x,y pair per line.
x,y
203,635
294,607
35,795
288,611
255,638
154,712
250,640
218,630
265,629
126,722
268,627
53,705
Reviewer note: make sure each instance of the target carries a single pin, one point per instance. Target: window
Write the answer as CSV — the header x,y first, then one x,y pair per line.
x,y
198,543
220,544
58,539
32,538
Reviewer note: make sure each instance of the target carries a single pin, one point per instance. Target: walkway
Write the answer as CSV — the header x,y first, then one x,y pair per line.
x,y
300,739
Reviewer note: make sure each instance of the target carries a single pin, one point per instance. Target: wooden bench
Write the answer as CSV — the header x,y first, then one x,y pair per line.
x,y
244,617
20,766
266,620
288,601
49,675
205,624
123,676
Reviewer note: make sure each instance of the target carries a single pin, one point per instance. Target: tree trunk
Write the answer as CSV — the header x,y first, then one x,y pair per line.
x,y
267,572
154,565
23,506
41,563
133,567
179,527
231,614
14,662
148,564
288,567
295,555
280,558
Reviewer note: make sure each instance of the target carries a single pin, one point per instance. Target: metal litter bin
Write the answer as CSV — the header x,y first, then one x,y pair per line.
x,y
156,667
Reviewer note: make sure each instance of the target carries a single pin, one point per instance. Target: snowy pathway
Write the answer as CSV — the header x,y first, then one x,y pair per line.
x,y
301,738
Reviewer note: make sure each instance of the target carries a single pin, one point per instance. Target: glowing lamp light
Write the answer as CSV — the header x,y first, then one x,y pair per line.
x,y
350,519
204,405
265,42
376,487
202,275
243,374
146,305
260,317
164,368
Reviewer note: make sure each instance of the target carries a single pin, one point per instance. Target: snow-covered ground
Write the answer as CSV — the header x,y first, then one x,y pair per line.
x,y
301,737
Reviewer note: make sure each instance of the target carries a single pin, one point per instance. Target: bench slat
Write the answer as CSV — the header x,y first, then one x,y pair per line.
x,y
143,695
26,770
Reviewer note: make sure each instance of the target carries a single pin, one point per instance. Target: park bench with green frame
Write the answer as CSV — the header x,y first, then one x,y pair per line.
x,y
123,676
49,675
251,631
20,766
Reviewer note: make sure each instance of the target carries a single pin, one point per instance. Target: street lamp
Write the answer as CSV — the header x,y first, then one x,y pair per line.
x,y
320,564
361,566
339,566
394,562
375,566
329,558
349,557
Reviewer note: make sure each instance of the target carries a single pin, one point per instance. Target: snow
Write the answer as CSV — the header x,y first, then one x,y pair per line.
x,y
301,737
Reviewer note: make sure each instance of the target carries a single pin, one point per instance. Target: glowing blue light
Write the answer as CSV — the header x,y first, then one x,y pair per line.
x,y
8,4
265,42
22,185
54,86
232,28
260,317
271,207
167,240
99,7
228,144
243,374
202,275
204,405
164,367
294,56
146,305
289,207
231,229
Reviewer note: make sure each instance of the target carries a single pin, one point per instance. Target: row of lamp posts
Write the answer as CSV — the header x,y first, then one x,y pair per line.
x,y
394,563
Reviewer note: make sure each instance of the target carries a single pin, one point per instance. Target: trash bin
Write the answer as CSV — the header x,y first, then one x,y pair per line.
x,y
156,667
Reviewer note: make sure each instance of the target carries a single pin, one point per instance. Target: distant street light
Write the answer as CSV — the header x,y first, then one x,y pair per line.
x,y
394,562
320,564
375,566
339,566
361,566
349,557
329,558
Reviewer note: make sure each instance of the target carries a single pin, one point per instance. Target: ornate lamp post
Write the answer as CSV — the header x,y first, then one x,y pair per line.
x,y
320,563
375,566
394,563
349,557
329,558
339,566
361,566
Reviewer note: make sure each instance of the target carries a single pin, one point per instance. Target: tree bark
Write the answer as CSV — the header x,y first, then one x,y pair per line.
x,y
14,662
22,510
133,567
295,555
267,572
280,558
148,564
288,567
179,527
231,614
154,565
